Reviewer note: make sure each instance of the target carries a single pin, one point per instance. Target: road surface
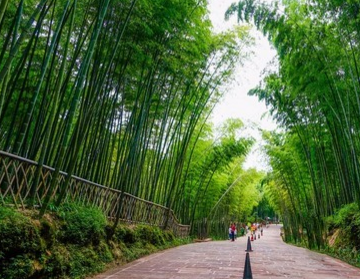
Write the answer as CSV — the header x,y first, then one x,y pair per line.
x,y
271,258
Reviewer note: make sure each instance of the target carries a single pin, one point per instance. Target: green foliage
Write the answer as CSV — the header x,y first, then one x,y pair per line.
x,y
152,235
137,241
20,244
19,234
57,262
343,240
138,249
215,184
156,70
125,234
103,252
48,231
347,220
346,254
73,261
84,260
17,267
168,236
83,225
343,217
42,248
315,162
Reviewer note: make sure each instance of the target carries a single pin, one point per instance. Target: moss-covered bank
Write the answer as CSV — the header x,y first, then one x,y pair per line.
x,y
71,242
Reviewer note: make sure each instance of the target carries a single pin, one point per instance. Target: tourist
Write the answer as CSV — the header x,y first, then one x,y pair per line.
x,y
233,228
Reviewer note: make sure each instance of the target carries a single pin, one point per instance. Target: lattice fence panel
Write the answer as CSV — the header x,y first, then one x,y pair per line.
x,y
17,176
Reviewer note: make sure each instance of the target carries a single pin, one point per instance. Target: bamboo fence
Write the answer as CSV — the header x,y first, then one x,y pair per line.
x,y
17,175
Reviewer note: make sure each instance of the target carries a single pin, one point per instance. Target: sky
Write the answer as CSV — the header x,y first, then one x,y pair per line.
x,y
236,103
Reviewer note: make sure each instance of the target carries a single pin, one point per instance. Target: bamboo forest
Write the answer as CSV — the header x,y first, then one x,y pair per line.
x,y
120,93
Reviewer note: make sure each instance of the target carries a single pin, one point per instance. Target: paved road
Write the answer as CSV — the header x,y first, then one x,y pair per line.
x,y
271,258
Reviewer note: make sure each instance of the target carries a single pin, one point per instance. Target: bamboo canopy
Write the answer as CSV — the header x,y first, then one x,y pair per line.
x,y
117,93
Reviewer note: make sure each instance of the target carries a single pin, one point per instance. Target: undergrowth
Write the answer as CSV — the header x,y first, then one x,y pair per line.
x,y
343,239
342,235
71,242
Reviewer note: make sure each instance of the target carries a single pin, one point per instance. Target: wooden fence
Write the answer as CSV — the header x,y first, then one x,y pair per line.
x,y
17,175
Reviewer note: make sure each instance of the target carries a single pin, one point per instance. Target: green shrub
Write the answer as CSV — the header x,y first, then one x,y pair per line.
x,y
347,219
18,234
330,223
83,225
137,250
70,243
58,262
354,230
83,261
345,215
149,234
48,232
103,252
18,267
125,234
169,236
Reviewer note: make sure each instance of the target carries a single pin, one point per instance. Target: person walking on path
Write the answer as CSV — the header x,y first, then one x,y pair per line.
x,y
233,228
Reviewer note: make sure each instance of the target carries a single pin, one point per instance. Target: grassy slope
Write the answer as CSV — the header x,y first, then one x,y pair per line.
x,y
71,242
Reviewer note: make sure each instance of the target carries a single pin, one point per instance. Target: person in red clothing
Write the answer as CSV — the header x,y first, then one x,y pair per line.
x,y
233,228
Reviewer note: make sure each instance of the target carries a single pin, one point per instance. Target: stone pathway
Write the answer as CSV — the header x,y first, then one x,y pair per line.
x,y
271,258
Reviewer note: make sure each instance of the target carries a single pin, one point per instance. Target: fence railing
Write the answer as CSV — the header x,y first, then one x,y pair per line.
x,y
17,177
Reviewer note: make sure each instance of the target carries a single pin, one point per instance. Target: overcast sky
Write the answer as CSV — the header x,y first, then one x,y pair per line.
x,y
236,103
